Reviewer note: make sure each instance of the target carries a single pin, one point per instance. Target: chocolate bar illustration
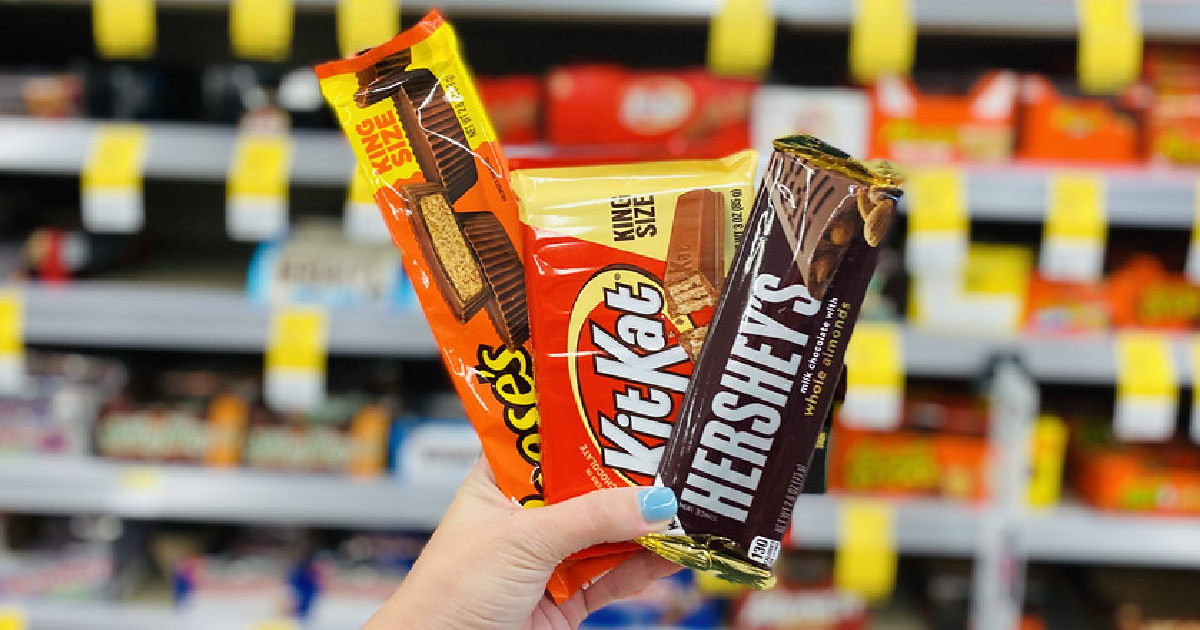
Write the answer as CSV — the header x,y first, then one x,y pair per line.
x,y
382,79
695,269
504,272
435,133
452,263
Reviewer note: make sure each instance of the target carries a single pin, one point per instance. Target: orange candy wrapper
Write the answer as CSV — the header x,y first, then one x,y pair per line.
x,y
414,119
625,264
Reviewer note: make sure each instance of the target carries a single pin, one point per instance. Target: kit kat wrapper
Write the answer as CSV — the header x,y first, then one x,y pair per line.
x,y
768,373
415,122
604,247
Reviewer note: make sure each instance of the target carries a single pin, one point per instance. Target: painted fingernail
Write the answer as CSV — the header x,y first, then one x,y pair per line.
x,y
657,504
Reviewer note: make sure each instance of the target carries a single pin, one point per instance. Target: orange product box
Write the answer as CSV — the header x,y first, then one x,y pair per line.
x,y
412,114
1055,126
1174,127
1062,308
909,463
625,264
653,114
1159,478
514,104
914,127
1145,295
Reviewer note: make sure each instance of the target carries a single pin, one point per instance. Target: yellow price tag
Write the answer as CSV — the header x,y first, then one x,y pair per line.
x,y
874,376
366,23
297,340
741,38
12,341
295,358
865,561
1110,44
937,201
141,479
261,29
124,28
1075,229
363,220
1147,387
12,618
883,39
257,187
112,179
1048,446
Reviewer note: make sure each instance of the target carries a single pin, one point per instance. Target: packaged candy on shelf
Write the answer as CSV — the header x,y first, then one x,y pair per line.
x,y
673,602
659,114
767,375
411,112
77,573
839,116
57,407
915,127
1055,126
1114,475
317,264
1054,307
514,104
1143,294
1174,73
784,608
347,435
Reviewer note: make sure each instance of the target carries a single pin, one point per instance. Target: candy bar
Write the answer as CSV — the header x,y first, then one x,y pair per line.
x,y
767,376
695,265
437,138
453,266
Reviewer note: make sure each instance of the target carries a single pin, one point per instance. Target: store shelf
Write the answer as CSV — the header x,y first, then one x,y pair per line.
x,y
1161,19
118,315
68,485
1074,359
1136,196
175,151
922,526
1068,533
124,616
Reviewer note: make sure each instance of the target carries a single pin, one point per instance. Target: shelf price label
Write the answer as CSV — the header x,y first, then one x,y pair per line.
x,y
865,560
12,618
257,189
1075,229
1147,388
261,29
1047,451
874,377
938,225
1110,44
112,179
741,38
12,341
363,220
362,24
274,624
883,38
1193,257
296,355
124,29
140,491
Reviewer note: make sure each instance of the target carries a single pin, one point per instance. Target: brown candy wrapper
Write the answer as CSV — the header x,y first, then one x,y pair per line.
x,y
767,376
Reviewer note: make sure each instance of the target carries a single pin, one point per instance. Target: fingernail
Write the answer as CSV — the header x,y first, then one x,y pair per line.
x,y
657,504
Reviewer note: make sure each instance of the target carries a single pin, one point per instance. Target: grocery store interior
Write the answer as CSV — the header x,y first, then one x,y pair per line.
x,y
222,407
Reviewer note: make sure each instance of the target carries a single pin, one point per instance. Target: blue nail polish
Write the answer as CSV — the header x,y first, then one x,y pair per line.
x,y
657,504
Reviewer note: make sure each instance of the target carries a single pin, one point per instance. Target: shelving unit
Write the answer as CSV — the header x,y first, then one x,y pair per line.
x,y
122,315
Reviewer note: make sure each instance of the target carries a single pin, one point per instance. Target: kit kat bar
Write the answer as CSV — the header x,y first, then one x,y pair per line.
x,y
695,265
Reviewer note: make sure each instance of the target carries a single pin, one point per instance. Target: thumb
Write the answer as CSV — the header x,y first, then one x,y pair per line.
x,y
601,516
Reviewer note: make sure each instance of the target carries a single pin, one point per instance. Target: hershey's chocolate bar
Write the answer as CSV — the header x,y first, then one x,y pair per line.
x,y
768,373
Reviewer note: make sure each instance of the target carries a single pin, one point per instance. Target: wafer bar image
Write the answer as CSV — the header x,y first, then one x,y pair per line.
x,y
381,79
504,272
451,262
695,262
435,133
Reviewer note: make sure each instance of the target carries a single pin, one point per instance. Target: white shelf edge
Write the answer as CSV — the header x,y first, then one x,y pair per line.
x,y
124,315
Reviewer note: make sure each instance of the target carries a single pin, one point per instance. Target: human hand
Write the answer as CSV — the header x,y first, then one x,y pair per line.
x,y
486,566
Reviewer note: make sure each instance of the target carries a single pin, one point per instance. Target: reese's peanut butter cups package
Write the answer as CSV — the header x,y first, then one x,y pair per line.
x,y
624,264
414,119
767,374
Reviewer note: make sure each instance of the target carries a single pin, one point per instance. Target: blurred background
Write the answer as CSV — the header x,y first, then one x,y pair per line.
x,y
222,408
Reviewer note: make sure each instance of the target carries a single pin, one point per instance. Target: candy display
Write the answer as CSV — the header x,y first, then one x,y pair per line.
x,y
1072,128
774,356
1162,479
54,410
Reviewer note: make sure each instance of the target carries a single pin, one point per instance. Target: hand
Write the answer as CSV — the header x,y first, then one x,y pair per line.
x,y
486,566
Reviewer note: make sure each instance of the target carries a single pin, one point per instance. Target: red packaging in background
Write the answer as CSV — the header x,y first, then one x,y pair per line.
x,y
680,114
514,103
1143,294
1058,126
788,608
1066,308
911,126
1174,73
